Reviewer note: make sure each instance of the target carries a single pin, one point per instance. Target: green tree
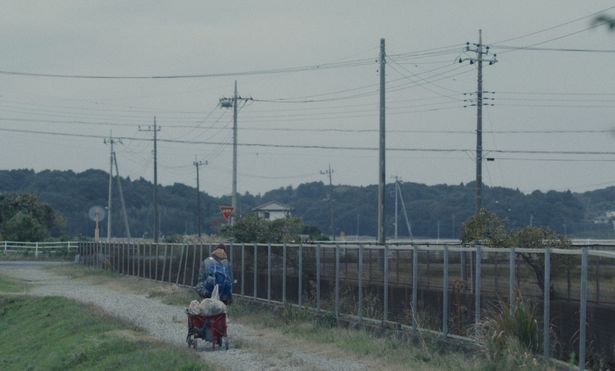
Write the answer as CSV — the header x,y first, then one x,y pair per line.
x,y
23,217
489,230
486,228
542,238
24,227
251,228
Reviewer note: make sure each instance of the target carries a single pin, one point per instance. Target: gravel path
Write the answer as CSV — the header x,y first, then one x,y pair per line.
x,y
250,349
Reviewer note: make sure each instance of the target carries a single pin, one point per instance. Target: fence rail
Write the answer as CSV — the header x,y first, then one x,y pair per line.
x,y
445,287
39,249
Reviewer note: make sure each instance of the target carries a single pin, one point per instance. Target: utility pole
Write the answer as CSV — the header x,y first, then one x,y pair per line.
x,y
197,163
109,141
154,129
227,103
119,186
330,198
481,52
381,147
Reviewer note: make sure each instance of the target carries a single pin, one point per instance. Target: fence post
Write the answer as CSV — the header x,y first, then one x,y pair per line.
x,y
157,261
462,263
547,305
477,285
186,263
243,255
36,250
269,273
385,316
5,247
300,277
255,275
360,283
583,310
445,293
171,263
284,274
179,265
318,277
164,263
415,275
337,282
512,259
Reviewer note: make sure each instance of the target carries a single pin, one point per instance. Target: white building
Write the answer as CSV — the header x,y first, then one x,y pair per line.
x,y
273,210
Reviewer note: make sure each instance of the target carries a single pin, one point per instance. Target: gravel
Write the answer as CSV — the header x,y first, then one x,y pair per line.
x,y
250,349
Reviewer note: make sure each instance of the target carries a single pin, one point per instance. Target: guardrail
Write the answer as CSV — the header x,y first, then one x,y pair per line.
x,y
39,249
445,288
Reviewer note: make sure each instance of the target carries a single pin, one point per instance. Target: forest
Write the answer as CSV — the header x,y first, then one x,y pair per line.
x,y
433,210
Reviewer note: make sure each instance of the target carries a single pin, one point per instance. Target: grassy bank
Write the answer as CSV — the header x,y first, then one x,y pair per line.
x,y
9,285
59,334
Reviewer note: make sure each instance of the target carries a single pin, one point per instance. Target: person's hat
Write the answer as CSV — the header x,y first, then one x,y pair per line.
x,y
221,246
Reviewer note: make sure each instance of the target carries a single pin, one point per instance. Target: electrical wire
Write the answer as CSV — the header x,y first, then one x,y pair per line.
x,y
310,146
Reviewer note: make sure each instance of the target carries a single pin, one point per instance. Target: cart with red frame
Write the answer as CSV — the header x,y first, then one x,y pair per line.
x,y
207,328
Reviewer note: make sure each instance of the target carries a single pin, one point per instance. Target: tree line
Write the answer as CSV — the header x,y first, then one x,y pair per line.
x,y
433,211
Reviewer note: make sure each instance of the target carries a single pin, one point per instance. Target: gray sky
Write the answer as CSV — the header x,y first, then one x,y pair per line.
x,y
534,90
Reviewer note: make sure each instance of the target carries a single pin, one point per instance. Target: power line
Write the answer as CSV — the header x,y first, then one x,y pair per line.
x,y
323,66
555,26
579,50
315,146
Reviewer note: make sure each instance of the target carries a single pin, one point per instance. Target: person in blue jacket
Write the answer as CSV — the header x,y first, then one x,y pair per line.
x,y
215,270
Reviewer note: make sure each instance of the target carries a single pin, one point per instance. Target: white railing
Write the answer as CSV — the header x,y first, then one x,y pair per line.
x,y
37,249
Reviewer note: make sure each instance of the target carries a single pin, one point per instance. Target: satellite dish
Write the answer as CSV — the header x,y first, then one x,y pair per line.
x,y
94,210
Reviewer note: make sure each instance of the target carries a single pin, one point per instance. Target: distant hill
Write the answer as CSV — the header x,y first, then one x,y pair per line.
x,y
428,207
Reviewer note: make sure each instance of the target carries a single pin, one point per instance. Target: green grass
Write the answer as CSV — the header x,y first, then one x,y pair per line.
x,y
9,285
59,334
389,352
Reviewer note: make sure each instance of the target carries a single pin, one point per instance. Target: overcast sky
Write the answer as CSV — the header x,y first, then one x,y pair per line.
x,y
535,90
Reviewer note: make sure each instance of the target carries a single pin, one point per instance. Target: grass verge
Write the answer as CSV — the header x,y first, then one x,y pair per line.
x,y
9,285
391,352
59,334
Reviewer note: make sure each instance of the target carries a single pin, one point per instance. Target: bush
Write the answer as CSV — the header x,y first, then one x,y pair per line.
x,y
511,337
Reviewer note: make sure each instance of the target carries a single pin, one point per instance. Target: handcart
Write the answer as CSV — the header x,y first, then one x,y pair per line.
x,y
207,328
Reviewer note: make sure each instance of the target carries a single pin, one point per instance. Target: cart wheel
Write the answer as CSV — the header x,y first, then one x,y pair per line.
x,y
189,341
194,344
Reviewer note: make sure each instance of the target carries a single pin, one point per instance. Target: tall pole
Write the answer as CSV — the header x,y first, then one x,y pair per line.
x,y
119,187
381,167
155,129
156,221
479,124
330,198
198,195
232,102
110,187
481,51
234,195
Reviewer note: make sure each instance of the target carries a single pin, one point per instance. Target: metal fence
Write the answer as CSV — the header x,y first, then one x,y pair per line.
x,y
38,249
446,288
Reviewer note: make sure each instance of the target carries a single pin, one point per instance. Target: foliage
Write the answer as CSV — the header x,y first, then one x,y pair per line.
x,y
542,238
511,337
487,228
490,230
251,228
72,194
23,217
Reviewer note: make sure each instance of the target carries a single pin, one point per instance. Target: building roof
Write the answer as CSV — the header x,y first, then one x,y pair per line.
x,y
272,206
